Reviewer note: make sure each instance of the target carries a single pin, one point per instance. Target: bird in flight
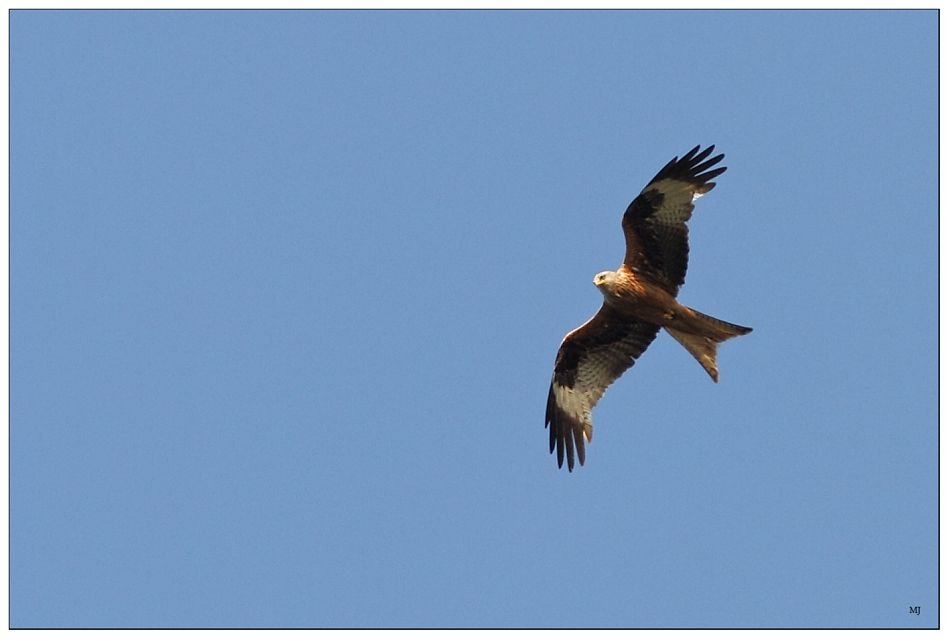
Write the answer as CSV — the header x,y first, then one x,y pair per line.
x,y
639,298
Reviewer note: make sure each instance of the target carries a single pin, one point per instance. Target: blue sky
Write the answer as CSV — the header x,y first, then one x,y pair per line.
x,y
286,291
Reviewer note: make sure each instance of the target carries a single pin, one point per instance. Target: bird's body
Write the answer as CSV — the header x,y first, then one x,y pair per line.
x,y
639,299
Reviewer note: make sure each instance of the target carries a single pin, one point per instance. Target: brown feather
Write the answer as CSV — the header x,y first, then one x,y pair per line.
x,y
655,222
590,358
639,298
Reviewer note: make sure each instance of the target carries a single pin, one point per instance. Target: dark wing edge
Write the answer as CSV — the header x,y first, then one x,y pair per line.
x,y
654,224
690,168
589,360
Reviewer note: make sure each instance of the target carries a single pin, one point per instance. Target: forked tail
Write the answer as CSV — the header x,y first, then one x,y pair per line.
x,y
704,343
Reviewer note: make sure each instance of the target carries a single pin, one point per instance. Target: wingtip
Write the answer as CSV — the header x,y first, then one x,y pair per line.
x,y
563,440
693,167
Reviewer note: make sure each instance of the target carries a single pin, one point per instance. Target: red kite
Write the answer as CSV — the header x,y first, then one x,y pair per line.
x,y
639,298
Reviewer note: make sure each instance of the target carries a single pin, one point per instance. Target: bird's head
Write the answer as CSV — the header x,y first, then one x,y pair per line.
x,y
605,279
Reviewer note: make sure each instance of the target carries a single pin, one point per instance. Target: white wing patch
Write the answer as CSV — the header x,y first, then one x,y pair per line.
x,y
574,402
677,205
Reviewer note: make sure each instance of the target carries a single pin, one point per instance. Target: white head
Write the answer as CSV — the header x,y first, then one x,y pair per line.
x,y
605,280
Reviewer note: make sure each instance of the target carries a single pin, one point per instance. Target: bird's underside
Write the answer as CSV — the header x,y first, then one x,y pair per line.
x,y
639,299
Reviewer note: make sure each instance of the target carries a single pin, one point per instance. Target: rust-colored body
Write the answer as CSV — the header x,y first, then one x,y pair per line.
x,y
639,300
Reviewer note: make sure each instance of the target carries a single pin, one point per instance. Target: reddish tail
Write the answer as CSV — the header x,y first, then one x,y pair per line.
x,y
704,343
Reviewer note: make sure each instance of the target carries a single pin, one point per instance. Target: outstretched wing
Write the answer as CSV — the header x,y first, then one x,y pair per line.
x,y
655,222
590,358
